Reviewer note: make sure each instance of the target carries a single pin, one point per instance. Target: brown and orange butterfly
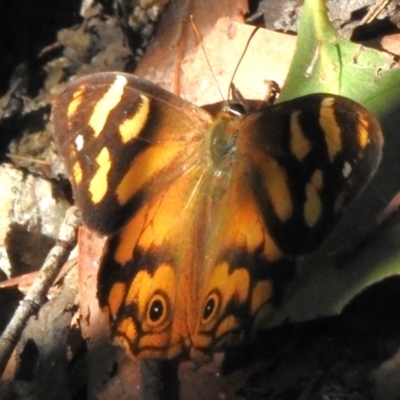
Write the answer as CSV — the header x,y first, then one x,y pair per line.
x,y
205,210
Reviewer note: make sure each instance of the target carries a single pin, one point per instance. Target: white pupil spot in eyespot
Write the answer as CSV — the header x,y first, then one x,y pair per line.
x,y
156,310
209,308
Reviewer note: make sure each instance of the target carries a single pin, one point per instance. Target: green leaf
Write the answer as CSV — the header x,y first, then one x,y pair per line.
x,y
323,289
326,62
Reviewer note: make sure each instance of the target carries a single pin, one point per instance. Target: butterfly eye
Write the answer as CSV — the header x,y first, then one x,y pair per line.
x,y
157,310
210,308
237,109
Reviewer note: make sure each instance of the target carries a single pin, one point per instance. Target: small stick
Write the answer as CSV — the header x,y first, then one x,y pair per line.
x,y
374,11
35,297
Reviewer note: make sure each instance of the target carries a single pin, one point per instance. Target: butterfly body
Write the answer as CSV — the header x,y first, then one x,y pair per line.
x,y
205,211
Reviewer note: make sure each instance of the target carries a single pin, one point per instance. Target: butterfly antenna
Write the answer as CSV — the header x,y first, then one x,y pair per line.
x,y
231,86
200,39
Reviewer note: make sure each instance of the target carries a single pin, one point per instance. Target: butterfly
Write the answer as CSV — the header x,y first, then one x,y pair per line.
x,y
205,208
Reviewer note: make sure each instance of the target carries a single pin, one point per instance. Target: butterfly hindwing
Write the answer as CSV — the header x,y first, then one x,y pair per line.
x,y
205,211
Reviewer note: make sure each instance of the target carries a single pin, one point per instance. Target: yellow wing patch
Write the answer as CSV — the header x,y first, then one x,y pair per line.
x,y
130,128
98,185
106,104
330,127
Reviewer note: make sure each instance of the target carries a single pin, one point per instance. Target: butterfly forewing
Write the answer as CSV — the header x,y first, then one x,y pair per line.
x,y
322,150
116,133
206,210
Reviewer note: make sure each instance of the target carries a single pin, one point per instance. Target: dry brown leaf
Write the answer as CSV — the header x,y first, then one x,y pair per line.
x,y
390,43
94,322
175,39
267,58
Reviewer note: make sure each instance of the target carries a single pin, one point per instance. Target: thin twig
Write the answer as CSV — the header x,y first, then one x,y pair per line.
x,y
374,11
35,297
